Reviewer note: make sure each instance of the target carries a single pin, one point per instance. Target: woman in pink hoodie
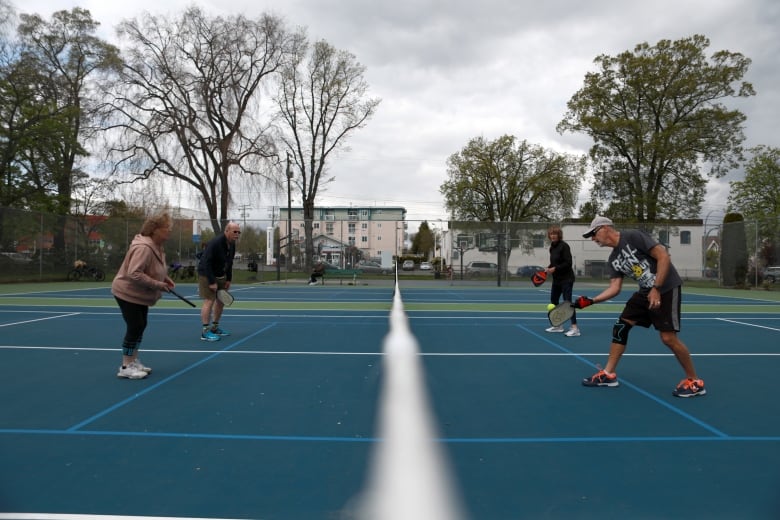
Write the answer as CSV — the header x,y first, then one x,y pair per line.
x,y
138,285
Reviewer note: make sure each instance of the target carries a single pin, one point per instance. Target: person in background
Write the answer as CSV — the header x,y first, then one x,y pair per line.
x,y
562,270
318,271
138,285
215,272
658,301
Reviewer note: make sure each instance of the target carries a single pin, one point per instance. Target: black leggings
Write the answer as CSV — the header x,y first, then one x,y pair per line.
x,y
564,289
135,317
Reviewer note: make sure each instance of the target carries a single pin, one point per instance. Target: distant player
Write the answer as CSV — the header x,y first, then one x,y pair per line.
x,y
215,271
561,268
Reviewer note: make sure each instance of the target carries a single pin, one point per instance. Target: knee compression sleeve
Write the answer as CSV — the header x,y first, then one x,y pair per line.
x,y
620,331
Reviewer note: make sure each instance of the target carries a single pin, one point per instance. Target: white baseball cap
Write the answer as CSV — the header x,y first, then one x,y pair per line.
x,y
595,224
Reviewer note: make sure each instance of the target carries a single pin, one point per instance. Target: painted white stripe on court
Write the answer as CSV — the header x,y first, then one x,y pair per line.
x,y
421,354
40,319
750,324
50,516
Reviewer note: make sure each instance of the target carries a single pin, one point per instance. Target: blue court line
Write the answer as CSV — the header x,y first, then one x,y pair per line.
x,y
181,372
634,387
357,439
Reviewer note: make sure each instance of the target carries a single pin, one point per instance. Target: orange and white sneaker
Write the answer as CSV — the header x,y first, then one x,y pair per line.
x,y
690,388
601,378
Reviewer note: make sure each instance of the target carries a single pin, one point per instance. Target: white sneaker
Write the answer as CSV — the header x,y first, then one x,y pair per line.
x,y
141,366
572,332
131,372
312,283
554,329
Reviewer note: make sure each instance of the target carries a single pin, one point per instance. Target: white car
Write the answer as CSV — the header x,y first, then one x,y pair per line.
x,y
425,266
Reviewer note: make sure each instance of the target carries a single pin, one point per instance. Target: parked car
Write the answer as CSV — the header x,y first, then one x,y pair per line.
x,y
374,268
425,266
527,271
408,265
477,269
772,274
331,267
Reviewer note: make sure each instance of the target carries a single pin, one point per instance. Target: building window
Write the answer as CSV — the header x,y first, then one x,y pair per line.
x,y
663,237
364,239
364,225
316,225
329,228
538,241
685,237
351,228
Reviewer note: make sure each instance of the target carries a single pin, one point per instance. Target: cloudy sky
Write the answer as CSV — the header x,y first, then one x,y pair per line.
x,y
448,71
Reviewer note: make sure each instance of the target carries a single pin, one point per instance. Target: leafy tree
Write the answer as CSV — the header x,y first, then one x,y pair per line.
x,y
501,182
322,99
423,242
67,53
656,116
507,181
757,197
188,103
589,210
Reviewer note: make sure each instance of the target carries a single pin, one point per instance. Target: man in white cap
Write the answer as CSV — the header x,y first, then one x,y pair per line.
x,y
657,302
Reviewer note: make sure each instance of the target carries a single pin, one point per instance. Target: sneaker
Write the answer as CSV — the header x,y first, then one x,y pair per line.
x,y
601,378
572,333
131,372
220,332
209,336
689,388
312,283
140,366
554,329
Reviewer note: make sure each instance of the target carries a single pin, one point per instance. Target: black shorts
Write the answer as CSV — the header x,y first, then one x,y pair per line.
x,y
666,318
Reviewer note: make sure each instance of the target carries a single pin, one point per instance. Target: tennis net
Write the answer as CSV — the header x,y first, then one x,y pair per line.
x,y
409,476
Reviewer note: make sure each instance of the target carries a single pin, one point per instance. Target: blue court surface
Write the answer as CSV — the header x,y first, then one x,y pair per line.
x,y
279,419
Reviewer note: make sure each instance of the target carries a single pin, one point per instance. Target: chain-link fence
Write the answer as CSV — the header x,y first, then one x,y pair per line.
x,y
42,247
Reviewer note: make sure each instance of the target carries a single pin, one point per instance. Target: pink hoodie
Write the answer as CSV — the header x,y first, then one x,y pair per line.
x,y
141,277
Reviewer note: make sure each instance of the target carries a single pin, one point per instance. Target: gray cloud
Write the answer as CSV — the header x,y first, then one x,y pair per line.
x,y
448,71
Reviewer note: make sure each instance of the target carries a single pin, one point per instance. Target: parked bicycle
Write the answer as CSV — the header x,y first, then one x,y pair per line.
x,y
82,271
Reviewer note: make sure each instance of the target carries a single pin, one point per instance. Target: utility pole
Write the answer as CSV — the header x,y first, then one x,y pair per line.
x,y
289,215
243,208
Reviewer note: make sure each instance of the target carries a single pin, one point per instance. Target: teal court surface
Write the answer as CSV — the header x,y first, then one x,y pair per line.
x,y
279,419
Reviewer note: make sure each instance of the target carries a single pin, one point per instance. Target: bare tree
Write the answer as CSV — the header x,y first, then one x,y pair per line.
x,y
188,106
322,100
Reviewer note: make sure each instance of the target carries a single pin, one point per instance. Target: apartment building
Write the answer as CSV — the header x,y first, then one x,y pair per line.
x,y
378,232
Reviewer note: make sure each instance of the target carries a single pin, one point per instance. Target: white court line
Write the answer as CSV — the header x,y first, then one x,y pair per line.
x,y
750,324
54,516
421,354
40,319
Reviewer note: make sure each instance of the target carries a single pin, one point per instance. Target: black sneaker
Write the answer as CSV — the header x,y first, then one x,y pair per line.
x,y
689,388
601,378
